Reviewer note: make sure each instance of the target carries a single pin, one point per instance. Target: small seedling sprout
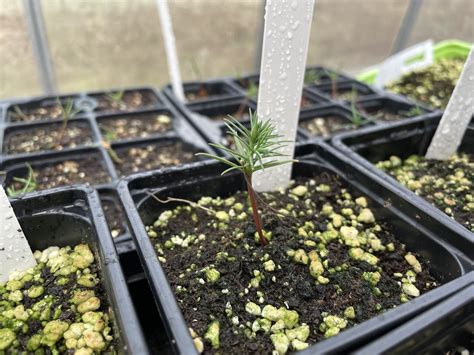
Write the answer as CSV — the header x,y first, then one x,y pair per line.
x,y
413,112
255,149
18,113
333,76
67,111
312,76
202,92
29,184
116,96
356,117
110,136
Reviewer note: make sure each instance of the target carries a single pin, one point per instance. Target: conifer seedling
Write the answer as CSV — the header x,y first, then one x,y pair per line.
x,y
256,148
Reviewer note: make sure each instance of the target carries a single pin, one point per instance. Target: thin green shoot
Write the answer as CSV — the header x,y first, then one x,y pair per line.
x,y
256,148
29,184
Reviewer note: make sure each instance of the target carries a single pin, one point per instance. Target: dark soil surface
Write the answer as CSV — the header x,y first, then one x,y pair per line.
x,y
56,304
326,125
432,85
241,114
139,126
28,113
306,102
114,216
204,92
130,100
153,156
192,242
85,170
448,185
48,137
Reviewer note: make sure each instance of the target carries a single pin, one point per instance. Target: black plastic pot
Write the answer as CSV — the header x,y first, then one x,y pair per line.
x,y
68,216
205,179
326,113
361,90
439,330
367,146
392,105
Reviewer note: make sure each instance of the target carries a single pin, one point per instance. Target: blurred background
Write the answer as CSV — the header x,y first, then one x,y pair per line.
x,y
101,44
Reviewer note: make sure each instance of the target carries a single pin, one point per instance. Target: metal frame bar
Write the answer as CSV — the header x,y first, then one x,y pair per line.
x,y
406,26
39,41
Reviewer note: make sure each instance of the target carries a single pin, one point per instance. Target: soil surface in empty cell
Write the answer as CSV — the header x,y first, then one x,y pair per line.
x,y
204,92
130,100
306,102
432,85
448,185
153,156
48,137
28,113
240,114
57,307
330,264
326,125
114,216
139,126
86,170
346,94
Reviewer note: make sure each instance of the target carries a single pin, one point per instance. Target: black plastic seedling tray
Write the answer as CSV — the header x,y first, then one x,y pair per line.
x,y
364,148
447,328
93,117
69,216
204,179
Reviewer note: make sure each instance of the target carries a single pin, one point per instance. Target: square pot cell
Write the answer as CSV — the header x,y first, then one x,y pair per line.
x,y
125,100
396,154
113,213
204,91
325,122
444,329
133,158
69,219
387,109
30,174
320,75
135,125
149,317
348,91
218,111
280,280
250,86
47,136
44,109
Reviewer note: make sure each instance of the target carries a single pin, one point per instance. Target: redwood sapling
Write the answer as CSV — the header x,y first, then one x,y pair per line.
x,y
256,148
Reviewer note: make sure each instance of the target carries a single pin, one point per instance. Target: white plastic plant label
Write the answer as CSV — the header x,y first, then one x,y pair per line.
x,y
418,56
15,253
456,117
170,48
285,48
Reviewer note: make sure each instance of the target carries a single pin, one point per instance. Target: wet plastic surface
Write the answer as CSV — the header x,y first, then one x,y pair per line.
x,y
204,179
69,216
444,329
366,147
